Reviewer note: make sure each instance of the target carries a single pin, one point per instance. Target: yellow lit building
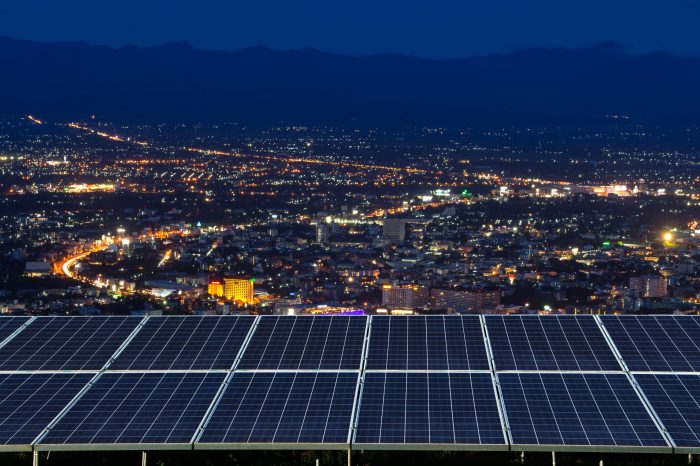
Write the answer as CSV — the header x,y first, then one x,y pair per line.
x,y
215,288
239,289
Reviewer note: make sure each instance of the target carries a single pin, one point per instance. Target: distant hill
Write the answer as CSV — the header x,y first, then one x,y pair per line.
x,y
177,81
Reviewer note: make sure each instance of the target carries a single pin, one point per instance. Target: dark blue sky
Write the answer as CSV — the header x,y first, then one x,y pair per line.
x,y
437,28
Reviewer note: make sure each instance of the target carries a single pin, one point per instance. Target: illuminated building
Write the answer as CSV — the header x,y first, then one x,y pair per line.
x,y
239,289
215,288
322,233
404,296
649,286
464,301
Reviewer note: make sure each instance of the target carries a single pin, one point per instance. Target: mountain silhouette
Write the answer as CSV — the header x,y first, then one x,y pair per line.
x,y
176,81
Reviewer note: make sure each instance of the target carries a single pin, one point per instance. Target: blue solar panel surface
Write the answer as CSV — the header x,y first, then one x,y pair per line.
x,y
429,408
576,409
427,343
66,343
656,343
284,407
676,400
29,402
185,343
306,342
133,407
8,325
549,343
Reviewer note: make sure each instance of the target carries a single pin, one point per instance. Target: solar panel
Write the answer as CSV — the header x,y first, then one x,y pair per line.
x,y
426,343
66,343
185,343
137,408
676,400
428,408
576,409
306,342
656,343
549,343
29,402
8,325
284,408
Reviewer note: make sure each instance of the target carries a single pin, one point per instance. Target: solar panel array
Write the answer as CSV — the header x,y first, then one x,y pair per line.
x,y
421,382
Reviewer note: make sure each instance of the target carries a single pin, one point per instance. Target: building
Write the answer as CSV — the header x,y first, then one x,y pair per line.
x,y
323,232
463,300
404,296
394,230
37,269
215,288
239,289
649,286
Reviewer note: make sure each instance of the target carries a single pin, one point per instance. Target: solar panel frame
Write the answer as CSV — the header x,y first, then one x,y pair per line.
x,y
282,343
559,343
457,383
216,433
35,399
107,395
462,345
618,384
656,343
67,343
204,342
10,325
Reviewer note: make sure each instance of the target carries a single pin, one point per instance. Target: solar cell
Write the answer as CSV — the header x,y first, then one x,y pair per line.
x,y
182,343
305,342
29,402
656,343
576,410
66,343
676,400
284,408
549,343
137,408
428,408
8,325
426,343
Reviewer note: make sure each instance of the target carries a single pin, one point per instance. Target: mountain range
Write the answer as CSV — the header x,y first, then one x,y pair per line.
x,y
179,82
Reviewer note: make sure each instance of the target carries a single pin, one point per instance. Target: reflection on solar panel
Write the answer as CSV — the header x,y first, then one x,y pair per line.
x,y
576,409
676,400
427,342
549,343
185,343
284,407
29,402
145,408
428,408
306,342
656,343
8,325
66,343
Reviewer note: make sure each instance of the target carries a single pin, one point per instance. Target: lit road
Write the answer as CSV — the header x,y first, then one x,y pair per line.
x,y
68,264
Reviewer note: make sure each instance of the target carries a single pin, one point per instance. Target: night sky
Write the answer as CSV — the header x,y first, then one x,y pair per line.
x,y
436,29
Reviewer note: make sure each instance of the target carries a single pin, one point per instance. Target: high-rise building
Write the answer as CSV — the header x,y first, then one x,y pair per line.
x,y
464,300
215,288
394,229
404,296
323,232
239,289
649,286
